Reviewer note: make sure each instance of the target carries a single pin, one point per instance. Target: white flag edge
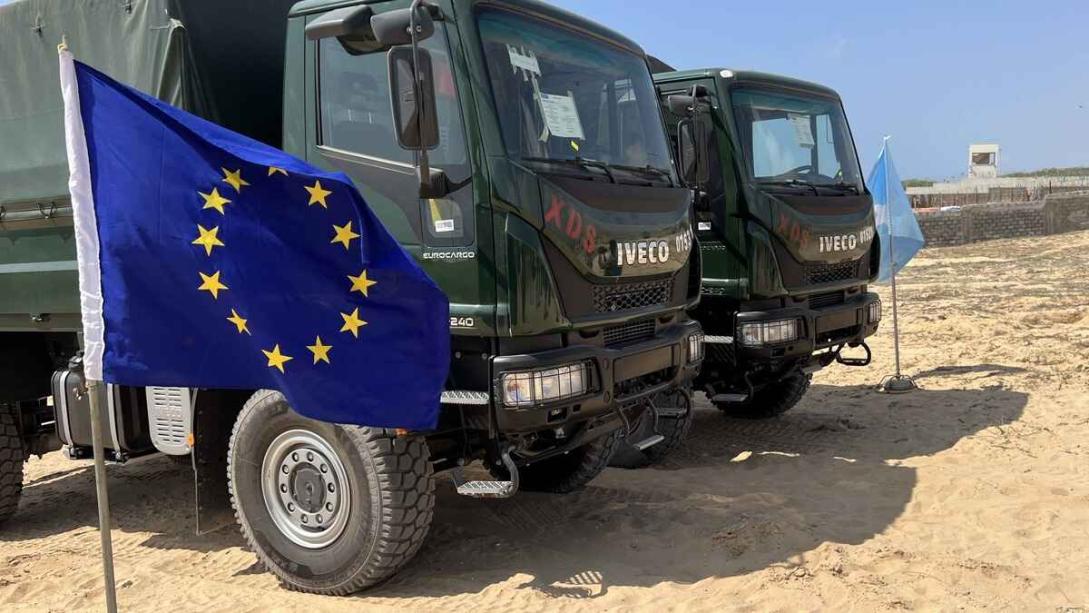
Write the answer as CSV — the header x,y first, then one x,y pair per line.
x,y
85,223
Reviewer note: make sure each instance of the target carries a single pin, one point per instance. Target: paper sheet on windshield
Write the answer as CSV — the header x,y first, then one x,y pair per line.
x,y
803,134
562,116
525,60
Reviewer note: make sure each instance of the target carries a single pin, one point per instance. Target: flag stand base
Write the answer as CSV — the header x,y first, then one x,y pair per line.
x,y
897,384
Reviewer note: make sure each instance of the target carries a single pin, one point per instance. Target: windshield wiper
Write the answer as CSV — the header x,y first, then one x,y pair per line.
x,y
847,187
648,170
792,183
584,163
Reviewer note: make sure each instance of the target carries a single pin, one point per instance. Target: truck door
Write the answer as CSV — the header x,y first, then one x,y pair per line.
x,y
355,134
717,213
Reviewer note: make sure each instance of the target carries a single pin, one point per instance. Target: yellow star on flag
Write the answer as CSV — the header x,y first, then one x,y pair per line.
x,y
344,234
234,179
208,239
238,321
276,359
276,169
317,194
361,283
352,322
320,351
211,284
214,201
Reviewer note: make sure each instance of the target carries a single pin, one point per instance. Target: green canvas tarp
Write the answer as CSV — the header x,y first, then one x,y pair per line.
x,y
221,59
137,43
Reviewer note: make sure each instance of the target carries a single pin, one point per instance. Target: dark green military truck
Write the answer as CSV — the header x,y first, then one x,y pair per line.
x,y
786,230
546,207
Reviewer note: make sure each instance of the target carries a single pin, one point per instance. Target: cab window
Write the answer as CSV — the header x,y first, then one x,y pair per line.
x,y
356,117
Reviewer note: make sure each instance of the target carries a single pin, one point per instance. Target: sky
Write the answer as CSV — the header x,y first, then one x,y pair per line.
x,y
935,76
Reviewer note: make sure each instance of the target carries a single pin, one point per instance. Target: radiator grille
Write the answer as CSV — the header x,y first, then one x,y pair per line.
x,y
820,301
830,273
612,298
629,333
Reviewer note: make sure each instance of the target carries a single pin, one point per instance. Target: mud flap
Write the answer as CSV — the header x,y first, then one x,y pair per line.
x,y
213,420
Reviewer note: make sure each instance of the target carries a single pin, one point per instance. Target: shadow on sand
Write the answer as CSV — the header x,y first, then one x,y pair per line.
x,y
711,510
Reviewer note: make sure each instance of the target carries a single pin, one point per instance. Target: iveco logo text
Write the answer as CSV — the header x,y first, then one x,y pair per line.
x,y
642,252
844,242
449,255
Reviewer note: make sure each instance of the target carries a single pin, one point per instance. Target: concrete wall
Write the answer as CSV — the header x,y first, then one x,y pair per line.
x,y
984,185
989,195
1054,214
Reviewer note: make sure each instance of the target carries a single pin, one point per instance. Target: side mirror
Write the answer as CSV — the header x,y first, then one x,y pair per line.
x,y
414,119
394,28
692,153
681,105
361,31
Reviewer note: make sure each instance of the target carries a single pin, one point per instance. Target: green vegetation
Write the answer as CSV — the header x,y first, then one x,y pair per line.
x,y
1072,171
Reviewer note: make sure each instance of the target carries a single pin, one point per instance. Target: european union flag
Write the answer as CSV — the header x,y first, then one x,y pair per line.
x,y
211,260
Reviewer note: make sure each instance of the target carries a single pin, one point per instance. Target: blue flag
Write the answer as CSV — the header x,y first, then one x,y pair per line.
x,y
208,259
892,211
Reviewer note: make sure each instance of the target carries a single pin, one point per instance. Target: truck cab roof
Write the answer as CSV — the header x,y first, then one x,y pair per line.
x,y
536,7
731,75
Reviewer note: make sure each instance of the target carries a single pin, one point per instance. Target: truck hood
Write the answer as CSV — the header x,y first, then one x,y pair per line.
x,y
614,231
819,229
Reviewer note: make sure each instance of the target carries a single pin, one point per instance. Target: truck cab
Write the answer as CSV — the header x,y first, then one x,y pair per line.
x,y
516,150
561,233
786,231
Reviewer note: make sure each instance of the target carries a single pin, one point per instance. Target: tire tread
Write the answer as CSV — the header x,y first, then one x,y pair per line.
x,y
594,457
404,474
771,401
12,456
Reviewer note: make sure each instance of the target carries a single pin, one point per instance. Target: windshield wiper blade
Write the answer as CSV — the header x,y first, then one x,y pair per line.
x,y
847,187
581,162
648,170
791,183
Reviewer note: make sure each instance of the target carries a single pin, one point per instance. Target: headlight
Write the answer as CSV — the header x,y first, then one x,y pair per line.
x,y
540,386
873,312
758,333
695,348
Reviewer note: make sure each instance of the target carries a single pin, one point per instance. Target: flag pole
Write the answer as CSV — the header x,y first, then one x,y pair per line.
x,y
104,525
79,173
897,383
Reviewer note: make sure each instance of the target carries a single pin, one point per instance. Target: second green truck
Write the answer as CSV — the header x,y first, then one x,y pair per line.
x,y
786,232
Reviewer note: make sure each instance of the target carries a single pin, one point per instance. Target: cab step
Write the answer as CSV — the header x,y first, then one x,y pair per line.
x,y
488,489
730,398
648,442
671,412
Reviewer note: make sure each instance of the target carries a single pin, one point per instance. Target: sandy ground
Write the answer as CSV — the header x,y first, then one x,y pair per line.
x,y
970,493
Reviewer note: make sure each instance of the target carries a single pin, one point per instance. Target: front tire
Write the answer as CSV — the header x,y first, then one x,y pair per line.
x,y
571,471
771,400
674,429
327,508
12,456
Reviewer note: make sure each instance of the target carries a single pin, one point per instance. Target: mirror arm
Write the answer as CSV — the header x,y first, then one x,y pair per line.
x,y
427,182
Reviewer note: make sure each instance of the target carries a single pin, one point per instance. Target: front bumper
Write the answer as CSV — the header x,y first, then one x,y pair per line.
x,y
841,324
618,375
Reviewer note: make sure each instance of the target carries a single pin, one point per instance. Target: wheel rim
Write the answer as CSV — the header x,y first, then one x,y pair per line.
x,y
306,489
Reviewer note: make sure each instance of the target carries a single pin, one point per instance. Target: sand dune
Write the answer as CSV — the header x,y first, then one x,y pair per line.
x,y
970,493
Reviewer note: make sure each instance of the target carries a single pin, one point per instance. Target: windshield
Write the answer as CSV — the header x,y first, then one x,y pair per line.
x,y
793,139
565,97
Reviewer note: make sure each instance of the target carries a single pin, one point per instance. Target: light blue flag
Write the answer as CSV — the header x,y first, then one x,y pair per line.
x,y
891,207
